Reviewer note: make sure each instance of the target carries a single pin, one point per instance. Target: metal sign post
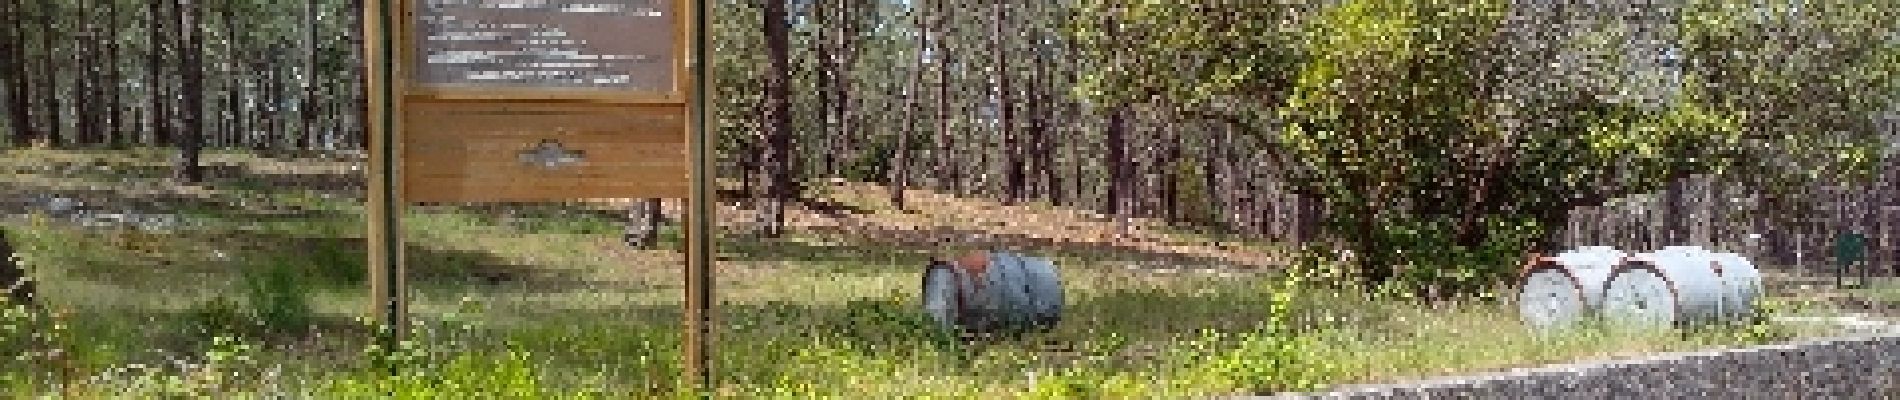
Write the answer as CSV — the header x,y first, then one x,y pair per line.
x,y
539,100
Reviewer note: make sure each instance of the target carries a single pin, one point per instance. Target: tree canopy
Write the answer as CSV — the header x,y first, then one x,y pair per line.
x,y
1477,126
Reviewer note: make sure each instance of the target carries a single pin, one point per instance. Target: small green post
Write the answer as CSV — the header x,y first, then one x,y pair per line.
x,y
1849,249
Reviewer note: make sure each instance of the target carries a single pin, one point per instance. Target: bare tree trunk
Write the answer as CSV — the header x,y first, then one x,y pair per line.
x,y
115,78
643,223
778,97
308,107
848,54
1119,173
1171,173
234,125
1210,180
1675,213
1039,131
1013,169
13,73
85,79
191,60
49,96
159,37
948,169
899,174
824,79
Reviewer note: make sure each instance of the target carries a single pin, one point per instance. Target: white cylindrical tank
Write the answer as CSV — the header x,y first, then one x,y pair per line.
x,y
1566,288
940,294
1741,286
1675,285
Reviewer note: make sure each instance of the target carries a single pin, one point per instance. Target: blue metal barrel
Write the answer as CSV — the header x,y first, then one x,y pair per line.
x,y
1009,292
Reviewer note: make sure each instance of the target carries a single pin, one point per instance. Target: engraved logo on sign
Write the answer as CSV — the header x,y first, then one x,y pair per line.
x,y
550,155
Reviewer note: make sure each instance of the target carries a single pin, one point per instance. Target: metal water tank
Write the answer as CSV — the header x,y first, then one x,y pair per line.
x,y
1566,288
1673,286
1741,286
993,292
940,293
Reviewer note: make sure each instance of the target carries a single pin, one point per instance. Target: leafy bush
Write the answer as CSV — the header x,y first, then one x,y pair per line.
x,y
336,262
1262,361
1272,357
278,300
1435,263
888,321
275,302
218,315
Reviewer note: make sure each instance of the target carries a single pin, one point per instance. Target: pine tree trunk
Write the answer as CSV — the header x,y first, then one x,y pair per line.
x,y
85,80
779,126
48,79
1119,171
159,38
842,87
308,108
899,174
191,145
1675,213
824,79
643,223
13,74
115,76
1041,132
1013,169
946,169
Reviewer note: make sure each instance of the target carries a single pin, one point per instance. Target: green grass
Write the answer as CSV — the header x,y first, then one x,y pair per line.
x,y
543,302
1886,290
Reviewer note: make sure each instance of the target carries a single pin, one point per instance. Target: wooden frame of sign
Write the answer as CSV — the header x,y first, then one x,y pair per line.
x,y
537,101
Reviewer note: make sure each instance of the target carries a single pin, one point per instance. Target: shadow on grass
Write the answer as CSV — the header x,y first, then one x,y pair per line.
x,y
936,240
343,263
326,263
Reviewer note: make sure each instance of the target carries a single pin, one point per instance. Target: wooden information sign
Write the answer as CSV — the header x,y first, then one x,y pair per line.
x,y
545,100
537,100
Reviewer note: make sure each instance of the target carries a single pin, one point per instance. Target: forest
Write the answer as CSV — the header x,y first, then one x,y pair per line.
x,y
1114,106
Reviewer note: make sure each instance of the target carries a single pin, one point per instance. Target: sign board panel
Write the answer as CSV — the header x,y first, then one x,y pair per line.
x,y
536,151
544,100
591,44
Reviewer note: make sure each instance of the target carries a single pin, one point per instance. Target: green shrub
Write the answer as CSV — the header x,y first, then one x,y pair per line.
x,y
338,263
1435,263
508,375
274,302
883,323
1263,361
1272,357
277,300
218,315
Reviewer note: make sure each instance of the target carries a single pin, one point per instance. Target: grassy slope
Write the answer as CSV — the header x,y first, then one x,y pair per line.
x,y
825,312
